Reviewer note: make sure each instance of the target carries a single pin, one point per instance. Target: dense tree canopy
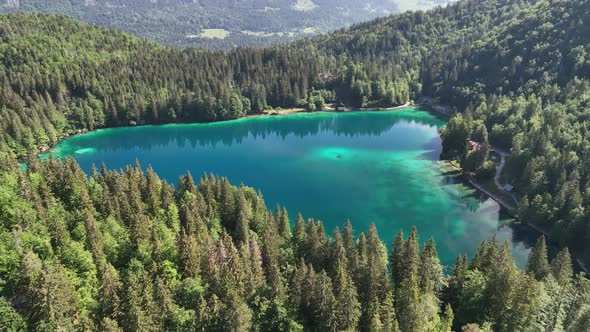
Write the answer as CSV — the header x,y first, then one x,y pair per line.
x,y
126,251
60,76
518,69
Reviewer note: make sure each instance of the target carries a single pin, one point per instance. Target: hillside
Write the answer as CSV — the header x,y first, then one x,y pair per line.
x,y
126,251
519,70
218,24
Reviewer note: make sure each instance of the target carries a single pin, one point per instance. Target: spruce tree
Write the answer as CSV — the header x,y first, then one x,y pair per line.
x,y
347,309
410,261
395,259
323,303
349,246
284,225
387,314
431,281
378,276
242,229
561,267
299,236
430,269
409,305
538,263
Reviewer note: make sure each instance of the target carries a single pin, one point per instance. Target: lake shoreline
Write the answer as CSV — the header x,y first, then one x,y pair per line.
x,y
432,107
41,149
512,212
378,161
298,110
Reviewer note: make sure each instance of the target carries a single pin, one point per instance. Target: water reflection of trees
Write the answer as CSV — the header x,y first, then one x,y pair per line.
x,y
235,132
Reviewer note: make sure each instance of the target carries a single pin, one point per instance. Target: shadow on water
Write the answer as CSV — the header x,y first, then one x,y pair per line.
x,y
528,235
235,132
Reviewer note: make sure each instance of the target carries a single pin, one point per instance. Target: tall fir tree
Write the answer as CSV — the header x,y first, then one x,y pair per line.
x,y
538,263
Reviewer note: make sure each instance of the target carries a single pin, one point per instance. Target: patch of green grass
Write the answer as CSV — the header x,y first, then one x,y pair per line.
x,y
211,34
455,163
304,5
262,33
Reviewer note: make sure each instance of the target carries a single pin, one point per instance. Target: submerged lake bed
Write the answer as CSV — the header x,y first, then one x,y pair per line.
x,y
372,167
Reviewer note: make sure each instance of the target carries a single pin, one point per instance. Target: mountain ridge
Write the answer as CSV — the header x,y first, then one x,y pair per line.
x,y
216,24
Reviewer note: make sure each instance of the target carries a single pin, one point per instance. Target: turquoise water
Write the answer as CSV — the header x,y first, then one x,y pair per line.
x,y
371,167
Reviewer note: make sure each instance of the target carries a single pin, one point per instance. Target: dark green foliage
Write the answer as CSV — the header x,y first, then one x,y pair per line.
x,y
60,77
10,320
526,80
538,264
73,262
126,251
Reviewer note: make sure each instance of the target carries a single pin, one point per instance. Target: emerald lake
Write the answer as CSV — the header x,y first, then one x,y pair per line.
x,y
378,167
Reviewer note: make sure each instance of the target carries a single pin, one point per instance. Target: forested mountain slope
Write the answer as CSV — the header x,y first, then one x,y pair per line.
x,y
219,23
60,75
91,77
519,70
125,251
526,80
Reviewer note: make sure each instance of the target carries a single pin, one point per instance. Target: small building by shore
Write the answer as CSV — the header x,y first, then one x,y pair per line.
x,y
473,146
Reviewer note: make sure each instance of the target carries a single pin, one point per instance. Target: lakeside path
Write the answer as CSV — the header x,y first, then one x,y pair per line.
x,y
511,207
508,206
289,111
503,154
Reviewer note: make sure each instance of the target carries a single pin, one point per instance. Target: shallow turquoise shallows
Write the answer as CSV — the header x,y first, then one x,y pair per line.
x,y
371,167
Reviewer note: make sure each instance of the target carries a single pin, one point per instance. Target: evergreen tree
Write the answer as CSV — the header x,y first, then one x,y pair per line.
x,y
430,269
538,263
395,259
347,308
561,267
408,303
284,225
410,261
349,246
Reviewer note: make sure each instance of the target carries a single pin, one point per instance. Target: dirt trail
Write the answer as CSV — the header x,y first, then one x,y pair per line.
x,y
503,155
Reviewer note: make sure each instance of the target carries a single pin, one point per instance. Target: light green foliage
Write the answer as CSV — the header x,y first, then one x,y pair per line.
x,y
124,250
10,320
538,264
251,276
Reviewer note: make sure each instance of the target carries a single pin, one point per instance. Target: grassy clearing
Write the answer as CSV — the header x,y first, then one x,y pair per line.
x,y
455,164
304,5
262,33
211,34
